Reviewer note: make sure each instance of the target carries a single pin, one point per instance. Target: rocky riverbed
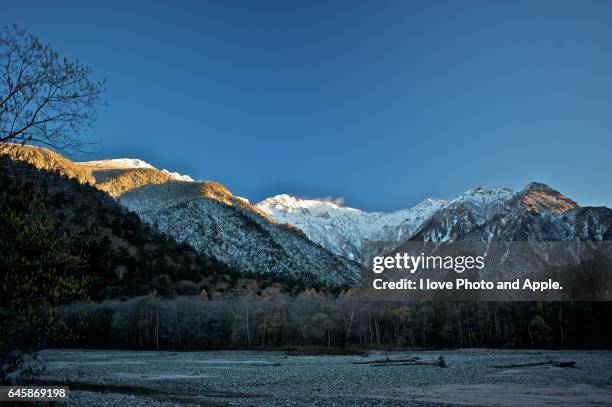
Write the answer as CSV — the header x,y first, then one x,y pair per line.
x,y
273,378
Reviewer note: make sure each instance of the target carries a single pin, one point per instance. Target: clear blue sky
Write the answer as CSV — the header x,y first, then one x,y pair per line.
x,y
381,103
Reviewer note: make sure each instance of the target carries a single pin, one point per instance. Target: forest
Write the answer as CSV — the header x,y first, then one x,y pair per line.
x,y
277,320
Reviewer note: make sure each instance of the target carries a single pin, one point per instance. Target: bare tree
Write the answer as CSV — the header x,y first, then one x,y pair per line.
x,y
44,99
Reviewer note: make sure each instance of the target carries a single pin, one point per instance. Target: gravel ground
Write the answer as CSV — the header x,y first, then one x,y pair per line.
x,y
271,378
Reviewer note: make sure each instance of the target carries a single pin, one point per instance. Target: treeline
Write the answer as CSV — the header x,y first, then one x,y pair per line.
x,y
275,319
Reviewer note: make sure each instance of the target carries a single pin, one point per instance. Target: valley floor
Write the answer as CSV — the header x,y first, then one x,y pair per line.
x,y
272,378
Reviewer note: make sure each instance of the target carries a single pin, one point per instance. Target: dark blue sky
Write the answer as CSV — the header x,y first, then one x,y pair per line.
x,y
381,103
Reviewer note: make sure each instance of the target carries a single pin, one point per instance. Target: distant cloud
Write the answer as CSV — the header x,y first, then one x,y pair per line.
x,y
336,201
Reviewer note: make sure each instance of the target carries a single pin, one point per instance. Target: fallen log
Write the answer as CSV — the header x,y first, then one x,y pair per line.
x,y
547,363
440,363
388,360
417,363
565,364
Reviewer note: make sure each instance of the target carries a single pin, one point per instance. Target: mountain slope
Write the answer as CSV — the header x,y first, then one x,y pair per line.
x,y
45,159
469,210
231,230
119,255
535,233
205,215
536,213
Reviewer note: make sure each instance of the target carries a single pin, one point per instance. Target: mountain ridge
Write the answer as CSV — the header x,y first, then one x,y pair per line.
x,y
320,240
344,229
537,211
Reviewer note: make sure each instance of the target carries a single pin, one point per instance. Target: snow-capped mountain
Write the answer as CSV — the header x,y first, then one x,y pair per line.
x,y
103,168
537,213
469,210
535,232
315,240
344,230
117,163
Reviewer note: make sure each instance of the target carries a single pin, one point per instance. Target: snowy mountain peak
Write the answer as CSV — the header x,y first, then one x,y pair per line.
x,y
281,200
344,230
117,163
290,204
429,204
178,177
131,164
482,196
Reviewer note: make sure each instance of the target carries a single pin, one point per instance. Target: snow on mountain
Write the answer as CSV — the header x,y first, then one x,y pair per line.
x,y
228,228
521,228
344,230
482,200
536,213
469,210
178,177
217,223
111,166
117,163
